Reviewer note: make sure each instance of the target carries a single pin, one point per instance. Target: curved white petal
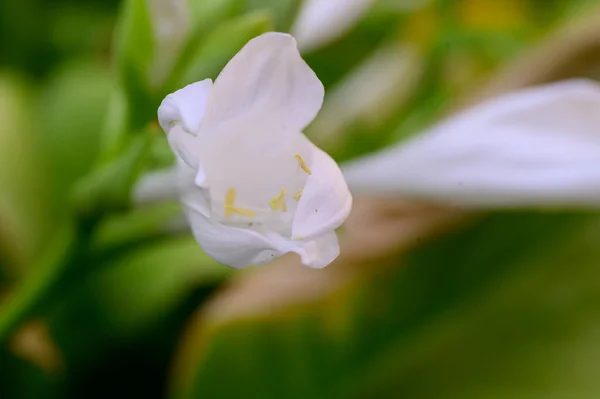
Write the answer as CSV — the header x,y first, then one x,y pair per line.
x,y
320,251
326,200
186,106
322,21
232,246
182,144
266,90
192,196
536,147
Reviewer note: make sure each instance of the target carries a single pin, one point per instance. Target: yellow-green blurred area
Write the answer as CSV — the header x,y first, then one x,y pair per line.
x,y
102,297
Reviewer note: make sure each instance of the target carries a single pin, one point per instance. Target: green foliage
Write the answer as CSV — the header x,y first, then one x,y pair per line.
x,y
24,178
221,45
502,308
128,296
72,106
109,187
283,11
134,51
21,379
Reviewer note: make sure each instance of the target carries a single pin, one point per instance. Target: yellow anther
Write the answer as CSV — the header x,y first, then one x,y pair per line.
x,y
298,195
279,202
230,207
303,164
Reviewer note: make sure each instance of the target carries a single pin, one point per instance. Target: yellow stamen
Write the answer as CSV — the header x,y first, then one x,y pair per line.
x,y
230,196
230,207
241,211
279,202
298,195
303,164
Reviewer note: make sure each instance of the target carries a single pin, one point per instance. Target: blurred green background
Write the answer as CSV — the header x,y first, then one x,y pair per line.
x,y
102,296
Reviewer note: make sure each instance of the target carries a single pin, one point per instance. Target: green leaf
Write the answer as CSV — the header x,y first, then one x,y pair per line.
x,y
40,284
207,14
23,380
27,203
115,125
72,108
109,187
504,308
134,52
221,45
284,11
134,41
137,225
129,297
205,17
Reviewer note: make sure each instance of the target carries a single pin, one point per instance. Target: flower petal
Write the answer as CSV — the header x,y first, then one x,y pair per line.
x,y
322,21
239,247
325,202
232,246
319,252
537,147
266,90
192,195
186,107
183,144
156,186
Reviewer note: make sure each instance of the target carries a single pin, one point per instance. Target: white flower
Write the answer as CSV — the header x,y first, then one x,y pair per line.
x,y
539,147
322,21
254,187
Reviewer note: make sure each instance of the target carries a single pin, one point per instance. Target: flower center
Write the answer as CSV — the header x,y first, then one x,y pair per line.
x,y
277,204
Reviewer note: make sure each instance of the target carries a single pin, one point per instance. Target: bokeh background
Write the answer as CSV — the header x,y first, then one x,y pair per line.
x,y
102,295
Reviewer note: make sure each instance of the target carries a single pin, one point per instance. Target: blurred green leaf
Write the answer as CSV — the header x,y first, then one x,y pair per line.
x,y
162,156
27,206
39,285
505,308
284,11
20,379
130,296
134,39
137,225
115,125
221,45
72,107
134,52
207,14
109,187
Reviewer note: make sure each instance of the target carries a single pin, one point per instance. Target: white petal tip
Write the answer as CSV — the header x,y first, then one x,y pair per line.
x,y
186,106
200,177
276,37
320,252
